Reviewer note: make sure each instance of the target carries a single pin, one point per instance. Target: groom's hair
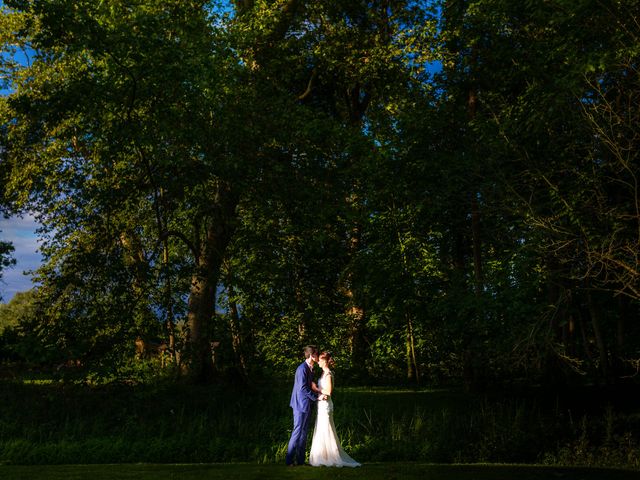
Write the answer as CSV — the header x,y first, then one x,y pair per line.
x,y
310,350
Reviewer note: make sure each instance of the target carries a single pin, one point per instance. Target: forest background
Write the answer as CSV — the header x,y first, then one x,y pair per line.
x,y
441,193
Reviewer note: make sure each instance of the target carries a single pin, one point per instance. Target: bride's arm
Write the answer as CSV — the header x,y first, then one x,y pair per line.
x,y
314,387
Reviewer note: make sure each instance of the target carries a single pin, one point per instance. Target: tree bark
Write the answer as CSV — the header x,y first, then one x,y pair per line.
x,y
168,300
355,310
204,281
236,335
413,374
472,105
472,101
477,246
597,332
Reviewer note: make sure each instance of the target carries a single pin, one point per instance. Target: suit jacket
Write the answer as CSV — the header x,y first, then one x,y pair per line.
x,y
302,396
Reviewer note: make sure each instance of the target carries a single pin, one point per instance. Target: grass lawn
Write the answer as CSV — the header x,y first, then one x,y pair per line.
x,y
143,429
245,471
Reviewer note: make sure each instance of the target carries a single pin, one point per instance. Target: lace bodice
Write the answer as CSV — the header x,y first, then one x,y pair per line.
x,y
322,380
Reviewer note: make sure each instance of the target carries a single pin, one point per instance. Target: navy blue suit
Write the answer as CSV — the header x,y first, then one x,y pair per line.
x,y
302,398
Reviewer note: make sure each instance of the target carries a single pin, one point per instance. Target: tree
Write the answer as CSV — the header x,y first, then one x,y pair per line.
x,y
122,106
300,167
152,123
539,132
20,306
351,65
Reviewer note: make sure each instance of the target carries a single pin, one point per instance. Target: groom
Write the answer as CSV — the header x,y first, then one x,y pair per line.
x,y
302,397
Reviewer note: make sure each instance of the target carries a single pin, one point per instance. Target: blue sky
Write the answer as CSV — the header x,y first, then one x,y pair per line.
x,y
20,232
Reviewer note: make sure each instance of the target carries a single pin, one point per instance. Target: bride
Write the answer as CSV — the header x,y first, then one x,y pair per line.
x,y
325,446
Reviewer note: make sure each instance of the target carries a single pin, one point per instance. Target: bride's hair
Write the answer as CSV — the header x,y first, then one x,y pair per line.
x,y
327,357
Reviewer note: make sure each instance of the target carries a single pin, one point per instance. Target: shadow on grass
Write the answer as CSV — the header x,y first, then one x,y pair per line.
x,y
64,424
373,471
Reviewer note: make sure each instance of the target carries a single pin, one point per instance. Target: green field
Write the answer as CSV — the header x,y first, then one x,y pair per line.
x,y
65,424
374,471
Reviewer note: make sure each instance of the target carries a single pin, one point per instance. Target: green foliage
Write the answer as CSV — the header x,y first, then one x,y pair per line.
x,y
307,169
19,311
20,307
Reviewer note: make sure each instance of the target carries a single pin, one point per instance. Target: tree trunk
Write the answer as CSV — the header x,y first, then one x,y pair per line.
x,y
355,310
168,300
204,281
413,374
602,348
412,364
477,252
200,314
472,106
135,260
622,313
300,307
236,335
583,335
618,354
472,354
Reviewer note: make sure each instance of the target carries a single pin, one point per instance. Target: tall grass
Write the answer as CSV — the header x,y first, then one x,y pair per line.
x,y
66,424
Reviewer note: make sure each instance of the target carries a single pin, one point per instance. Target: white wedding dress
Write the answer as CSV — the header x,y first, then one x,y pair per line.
x,y
325,447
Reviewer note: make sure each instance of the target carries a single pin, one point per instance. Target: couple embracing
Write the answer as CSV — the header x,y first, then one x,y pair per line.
x,y
325,446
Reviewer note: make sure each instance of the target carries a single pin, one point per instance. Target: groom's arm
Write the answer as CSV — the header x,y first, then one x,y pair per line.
x,y
302,379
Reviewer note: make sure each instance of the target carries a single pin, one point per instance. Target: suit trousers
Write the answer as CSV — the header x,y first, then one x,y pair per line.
x,y
298,443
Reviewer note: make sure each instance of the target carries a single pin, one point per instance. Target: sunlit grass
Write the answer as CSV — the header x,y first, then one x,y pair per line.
x,y
39,381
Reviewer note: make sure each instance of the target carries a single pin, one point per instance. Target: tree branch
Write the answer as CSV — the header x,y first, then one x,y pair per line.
x,y
307,92
175,233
